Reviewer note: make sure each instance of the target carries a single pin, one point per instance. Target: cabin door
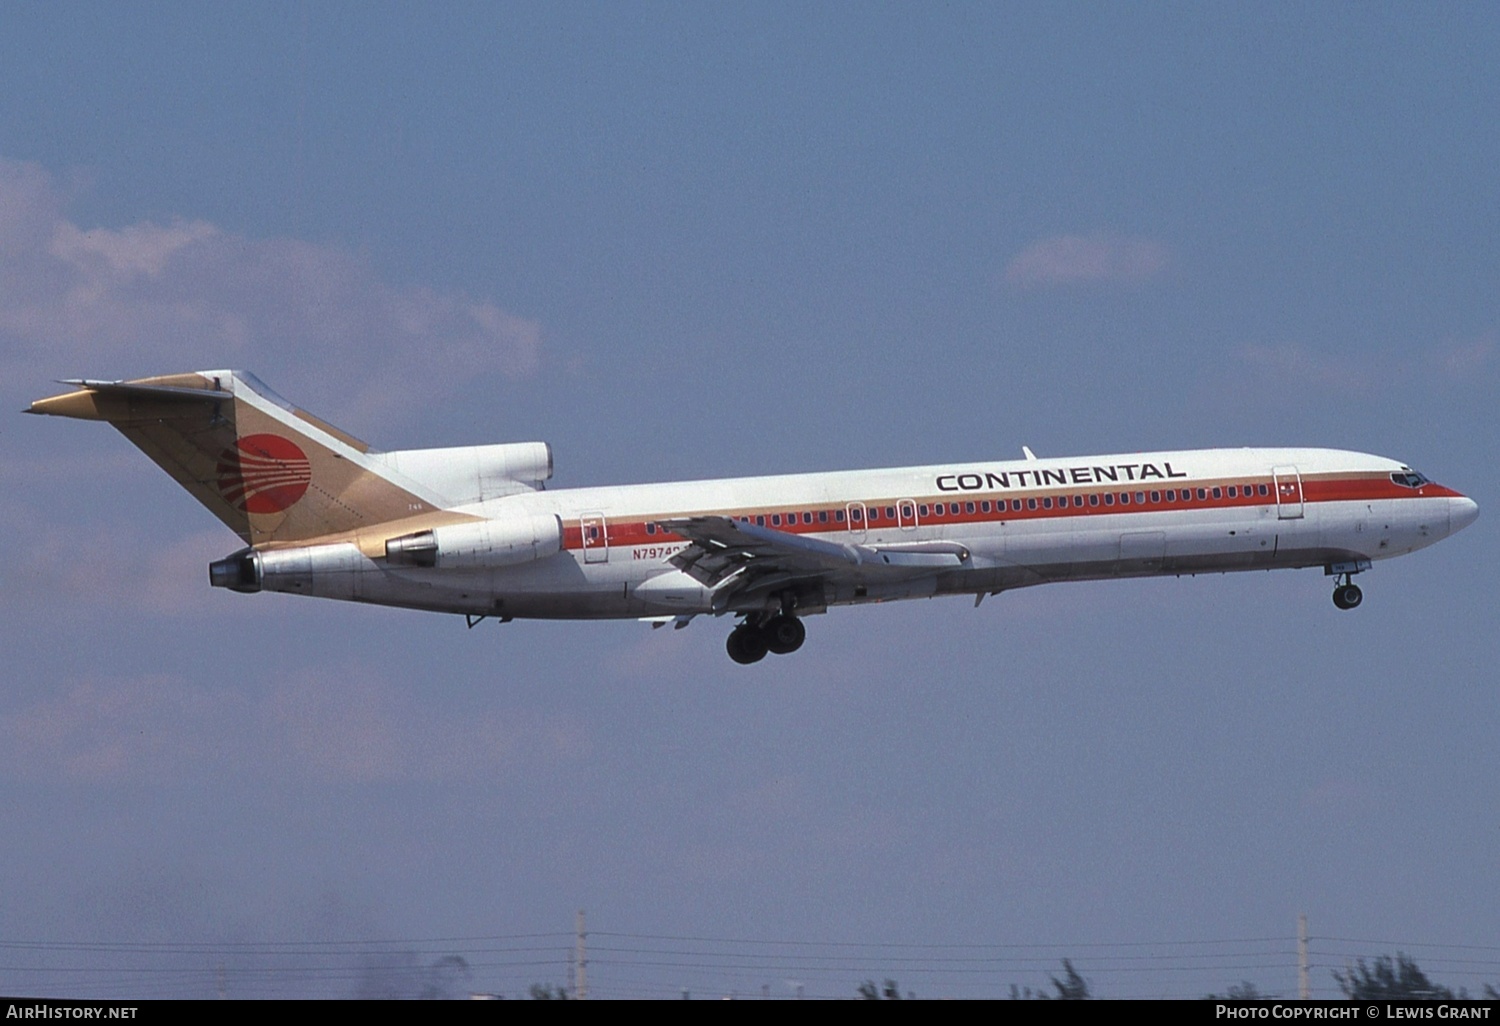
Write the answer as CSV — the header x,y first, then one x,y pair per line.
x,y
906,514
595,534
1288,482
855,514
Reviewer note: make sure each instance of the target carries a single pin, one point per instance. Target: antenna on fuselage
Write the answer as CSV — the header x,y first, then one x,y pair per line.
x,y
1029,454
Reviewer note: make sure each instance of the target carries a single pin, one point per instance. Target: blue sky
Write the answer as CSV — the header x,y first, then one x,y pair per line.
x,y
680,241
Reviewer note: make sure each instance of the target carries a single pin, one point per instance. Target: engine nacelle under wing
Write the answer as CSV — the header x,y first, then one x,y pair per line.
x,y
487,543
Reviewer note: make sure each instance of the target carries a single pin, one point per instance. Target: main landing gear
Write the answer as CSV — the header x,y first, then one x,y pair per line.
x,y
780,634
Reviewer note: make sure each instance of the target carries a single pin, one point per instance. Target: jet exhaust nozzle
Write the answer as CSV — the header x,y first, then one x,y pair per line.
x,y
240,572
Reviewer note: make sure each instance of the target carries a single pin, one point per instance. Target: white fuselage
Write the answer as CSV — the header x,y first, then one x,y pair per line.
x,y
1015,523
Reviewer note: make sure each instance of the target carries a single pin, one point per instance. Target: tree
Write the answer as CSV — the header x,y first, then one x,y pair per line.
x,y
869,992
400,975
547,992
445,979
1242,991
1071,987
1387,980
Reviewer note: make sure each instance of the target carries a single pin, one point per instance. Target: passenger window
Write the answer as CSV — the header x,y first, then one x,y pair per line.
x,y
984,507
1124,498
1031,504
838,515
807,518
1140,498
1171,495
1263,489
1094,499
1202,494
1047,502
1218,493
1156,496
775,519
890,512
822,516
650,528
968,507
1109,498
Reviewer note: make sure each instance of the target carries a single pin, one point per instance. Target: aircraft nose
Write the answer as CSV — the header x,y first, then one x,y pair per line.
x,y
1462,512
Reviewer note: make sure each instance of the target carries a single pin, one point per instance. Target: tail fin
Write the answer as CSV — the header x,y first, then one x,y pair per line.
x,y
271,472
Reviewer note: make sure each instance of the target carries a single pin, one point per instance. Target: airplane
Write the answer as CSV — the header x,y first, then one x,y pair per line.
x,y
474,530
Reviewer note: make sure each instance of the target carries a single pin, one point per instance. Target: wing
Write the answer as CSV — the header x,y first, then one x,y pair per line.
x,y
738,556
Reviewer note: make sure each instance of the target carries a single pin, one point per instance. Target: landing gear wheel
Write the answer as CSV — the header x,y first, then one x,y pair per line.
x,y
784,634
746,645
1348,596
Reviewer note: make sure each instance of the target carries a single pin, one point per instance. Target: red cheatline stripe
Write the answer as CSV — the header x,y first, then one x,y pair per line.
x,y
1339,489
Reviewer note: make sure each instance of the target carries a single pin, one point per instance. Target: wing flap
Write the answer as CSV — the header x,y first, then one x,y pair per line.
x,y
723,548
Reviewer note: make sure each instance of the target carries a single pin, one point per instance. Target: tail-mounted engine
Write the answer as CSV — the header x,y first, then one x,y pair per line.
x,y
341,571
332,571
485,543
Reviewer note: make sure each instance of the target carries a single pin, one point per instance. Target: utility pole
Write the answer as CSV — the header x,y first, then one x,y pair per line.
x,y
1303,991
580,973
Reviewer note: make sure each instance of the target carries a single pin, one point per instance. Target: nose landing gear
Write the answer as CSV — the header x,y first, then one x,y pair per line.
x,y
1346,594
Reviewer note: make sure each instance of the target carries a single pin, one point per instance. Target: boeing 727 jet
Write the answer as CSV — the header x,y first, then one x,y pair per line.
x,y
475,531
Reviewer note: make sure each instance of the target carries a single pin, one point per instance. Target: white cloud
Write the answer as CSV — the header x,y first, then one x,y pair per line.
x,y
123,567
1465,359
349,726
1086,259
152,298
1440,365
1293,363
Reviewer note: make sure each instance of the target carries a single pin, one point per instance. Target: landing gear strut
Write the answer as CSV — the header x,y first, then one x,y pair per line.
x,y
750,641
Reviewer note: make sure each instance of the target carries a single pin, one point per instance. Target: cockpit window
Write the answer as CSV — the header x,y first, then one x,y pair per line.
x,y
1410,479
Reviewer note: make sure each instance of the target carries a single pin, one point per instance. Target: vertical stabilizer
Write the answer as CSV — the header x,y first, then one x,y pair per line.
x,y
271,472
